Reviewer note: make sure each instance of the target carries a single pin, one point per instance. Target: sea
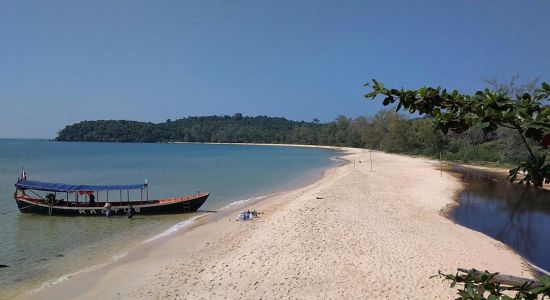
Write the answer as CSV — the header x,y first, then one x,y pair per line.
x,y
38,251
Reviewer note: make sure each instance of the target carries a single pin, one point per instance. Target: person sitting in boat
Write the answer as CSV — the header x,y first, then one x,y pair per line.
x,y
50,198
92,200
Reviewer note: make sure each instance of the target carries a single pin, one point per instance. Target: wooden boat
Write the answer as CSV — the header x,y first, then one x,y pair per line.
x,y
83,200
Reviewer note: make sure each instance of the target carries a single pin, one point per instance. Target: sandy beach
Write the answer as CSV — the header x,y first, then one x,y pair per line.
x,y
355,233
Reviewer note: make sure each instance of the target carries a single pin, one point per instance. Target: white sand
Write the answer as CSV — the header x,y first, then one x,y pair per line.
x,y
372,235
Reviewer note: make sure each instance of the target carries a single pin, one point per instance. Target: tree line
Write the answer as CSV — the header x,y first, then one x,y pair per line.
x,y
386,131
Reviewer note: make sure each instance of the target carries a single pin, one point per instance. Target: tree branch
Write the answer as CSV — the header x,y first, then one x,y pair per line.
x,y
526,144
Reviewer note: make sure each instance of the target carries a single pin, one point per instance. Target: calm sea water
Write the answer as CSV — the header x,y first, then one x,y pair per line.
x,y
509,212
42,248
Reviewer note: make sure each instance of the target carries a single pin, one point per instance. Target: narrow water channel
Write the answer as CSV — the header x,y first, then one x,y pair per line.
x,y
511,213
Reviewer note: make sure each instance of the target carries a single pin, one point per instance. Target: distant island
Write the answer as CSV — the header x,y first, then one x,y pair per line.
x,y
203,129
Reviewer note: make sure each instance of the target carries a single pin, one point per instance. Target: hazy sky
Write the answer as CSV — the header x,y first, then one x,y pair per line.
x,y
66,61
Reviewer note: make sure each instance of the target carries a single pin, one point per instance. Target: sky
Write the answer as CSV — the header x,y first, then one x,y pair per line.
x,y
62,62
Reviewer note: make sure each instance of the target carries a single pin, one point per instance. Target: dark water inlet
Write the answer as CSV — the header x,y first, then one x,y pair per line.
x,y
511,213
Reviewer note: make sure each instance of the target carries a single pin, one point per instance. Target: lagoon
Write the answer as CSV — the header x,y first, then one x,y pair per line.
x,y
517,215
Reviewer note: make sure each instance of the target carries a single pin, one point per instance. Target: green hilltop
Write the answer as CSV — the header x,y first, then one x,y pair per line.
x,y
387,131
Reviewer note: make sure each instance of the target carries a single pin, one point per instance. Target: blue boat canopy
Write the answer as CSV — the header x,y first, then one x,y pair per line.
x,y
62,187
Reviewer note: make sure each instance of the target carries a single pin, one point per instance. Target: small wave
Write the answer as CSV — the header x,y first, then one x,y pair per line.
x,y
115,258
119,256
173,229
64,277
244,201
543,271
82,271
239,202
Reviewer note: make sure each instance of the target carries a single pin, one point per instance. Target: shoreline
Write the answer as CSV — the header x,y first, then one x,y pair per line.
x,y
231,208
336,148
91,273
98,283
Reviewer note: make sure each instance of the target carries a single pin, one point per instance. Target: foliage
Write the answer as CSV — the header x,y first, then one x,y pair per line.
x,y
526,114
387,131
219,129
484,287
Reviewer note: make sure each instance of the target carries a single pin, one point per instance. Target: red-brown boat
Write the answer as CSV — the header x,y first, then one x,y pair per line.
x,y
95,200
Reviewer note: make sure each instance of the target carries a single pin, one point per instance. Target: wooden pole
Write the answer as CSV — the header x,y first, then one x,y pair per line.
x,y
370,154
440,164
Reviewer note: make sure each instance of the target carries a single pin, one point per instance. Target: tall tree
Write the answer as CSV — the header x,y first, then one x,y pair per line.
x,y
526,114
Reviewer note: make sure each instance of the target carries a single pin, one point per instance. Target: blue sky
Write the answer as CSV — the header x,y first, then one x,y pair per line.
x,y
66,61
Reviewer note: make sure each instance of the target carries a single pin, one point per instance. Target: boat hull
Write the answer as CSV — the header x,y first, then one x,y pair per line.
x,y
175,206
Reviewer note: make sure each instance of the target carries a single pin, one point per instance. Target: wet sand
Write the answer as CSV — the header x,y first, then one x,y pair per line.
x,y
355,233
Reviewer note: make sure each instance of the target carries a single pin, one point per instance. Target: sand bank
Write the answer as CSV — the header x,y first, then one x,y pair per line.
x,y
355,233
265,144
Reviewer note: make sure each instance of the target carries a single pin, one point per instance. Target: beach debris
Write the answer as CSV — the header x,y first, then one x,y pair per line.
x,y
247,215
319,198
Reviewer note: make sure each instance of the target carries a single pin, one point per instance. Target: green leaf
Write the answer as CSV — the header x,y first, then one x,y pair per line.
x,y
464,294
399,106
545,280
546,86
537,290
470,290
371,94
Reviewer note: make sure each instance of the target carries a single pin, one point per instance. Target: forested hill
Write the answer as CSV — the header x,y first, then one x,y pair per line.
x,y
387,131
217,129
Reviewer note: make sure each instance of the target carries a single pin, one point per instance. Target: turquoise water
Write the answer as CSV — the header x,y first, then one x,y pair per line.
x,y
42,248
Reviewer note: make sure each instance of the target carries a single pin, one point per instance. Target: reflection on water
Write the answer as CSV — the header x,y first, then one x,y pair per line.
x,y
511,213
